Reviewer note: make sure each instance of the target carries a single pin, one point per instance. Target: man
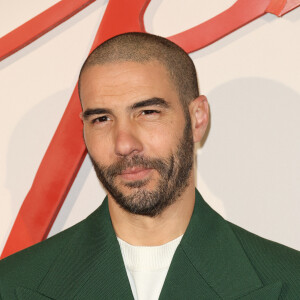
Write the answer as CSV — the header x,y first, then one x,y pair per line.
x,y
153,236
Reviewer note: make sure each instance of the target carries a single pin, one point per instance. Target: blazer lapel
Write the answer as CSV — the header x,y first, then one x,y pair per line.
x,y
91,266
210,263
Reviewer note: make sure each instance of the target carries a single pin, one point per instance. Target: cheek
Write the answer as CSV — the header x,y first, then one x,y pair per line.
x,y
162,142
96,145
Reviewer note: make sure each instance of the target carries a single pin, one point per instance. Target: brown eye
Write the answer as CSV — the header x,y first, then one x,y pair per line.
x,y
101,119
150,112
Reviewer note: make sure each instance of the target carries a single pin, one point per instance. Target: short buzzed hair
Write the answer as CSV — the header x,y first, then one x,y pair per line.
x,y
145,47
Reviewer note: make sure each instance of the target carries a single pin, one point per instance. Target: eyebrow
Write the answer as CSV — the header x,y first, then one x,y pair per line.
x,y
95,111
144,103
149,102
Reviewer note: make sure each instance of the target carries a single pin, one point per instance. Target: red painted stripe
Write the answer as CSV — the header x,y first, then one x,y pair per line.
x,y
241,13
39,25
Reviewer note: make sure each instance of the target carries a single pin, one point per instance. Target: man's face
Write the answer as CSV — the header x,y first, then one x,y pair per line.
x,y
138,137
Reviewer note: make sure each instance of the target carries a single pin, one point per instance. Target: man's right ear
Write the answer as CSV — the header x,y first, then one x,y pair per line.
x,y
199,111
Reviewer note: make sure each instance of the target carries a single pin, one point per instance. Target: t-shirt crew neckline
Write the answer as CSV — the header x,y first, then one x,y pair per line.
x,y
147,258
147,267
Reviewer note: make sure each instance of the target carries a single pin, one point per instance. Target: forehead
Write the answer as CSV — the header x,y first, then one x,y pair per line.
x,y
120,82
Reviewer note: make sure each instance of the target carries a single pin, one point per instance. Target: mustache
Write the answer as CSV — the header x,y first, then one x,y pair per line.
x,y
161,165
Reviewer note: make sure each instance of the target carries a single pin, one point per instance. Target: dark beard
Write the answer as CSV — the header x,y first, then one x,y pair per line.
x,y
174,171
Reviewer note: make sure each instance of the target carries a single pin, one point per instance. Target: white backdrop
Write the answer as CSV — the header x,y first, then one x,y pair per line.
x,y
249,167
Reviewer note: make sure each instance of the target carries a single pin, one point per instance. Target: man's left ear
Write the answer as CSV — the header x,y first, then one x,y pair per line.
x,y
199,111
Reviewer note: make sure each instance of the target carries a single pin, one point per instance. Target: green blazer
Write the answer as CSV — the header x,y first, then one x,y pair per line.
x,y
214,260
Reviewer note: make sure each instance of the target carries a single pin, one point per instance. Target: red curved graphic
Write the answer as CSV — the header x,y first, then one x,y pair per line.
x,y
39,25
66,150
233,18
238,15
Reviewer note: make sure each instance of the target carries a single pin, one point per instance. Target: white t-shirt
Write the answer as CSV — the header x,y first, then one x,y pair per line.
x,y
147,267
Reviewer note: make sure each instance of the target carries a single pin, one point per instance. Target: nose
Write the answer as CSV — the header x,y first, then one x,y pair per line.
x,y
126,140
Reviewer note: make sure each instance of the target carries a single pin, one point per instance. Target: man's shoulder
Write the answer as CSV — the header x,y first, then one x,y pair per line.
x,y
30,264
42,254
272,261
257,246
56,265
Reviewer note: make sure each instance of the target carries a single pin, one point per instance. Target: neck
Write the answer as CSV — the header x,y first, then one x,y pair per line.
x,y
154,231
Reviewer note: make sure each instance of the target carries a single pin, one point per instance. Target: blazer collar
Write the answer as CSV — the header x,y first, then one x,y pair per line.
x,y
209,263
90,265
